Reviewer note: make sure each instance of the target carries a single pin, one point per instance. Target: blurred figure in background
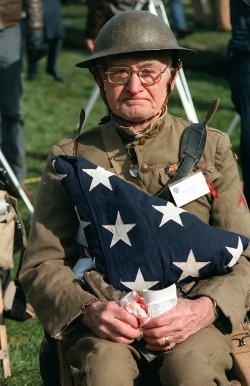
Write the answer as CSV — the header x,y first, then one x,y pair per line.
x,y
199,16
54,37
219,11
222,8
11,120
99,12
179,19
239,64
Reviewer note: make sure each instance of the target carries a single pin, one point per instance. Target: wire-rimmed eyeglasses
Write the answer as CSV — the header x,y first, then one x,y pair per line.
x,y
148,75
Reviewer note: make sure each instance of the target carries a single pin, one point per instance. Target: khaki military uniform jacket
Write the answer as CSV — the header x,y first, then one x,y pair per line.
x,y
52,288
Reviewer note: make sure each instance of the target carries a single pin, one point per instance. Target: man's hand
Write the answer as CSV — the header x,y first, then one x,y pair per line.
x,y
112,322
187,317
90,44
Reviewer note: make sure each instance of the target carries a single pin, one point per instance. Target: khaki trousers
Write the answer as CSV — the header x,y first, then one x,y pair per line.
x,y
202,360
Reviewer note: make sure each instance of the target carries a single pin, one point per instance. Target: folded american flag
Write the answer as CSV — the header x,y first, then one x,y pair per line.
x,y
140,241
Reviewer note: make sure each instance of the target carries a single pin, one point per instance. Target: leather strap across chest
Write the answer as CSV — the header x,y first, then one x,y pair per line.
x,y
191,148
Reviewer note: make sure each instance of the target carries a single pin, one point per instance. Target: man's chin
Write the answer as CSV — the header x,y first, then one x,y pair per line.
x,y
134,116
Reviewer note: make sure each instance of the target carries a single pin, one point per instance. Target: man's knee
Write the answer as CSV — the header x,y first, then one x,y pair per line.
x,y
203,359
106,364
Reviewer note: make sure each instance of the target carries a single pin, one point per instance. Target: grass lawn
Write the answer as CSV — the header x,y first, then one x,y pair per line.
x,y
51,112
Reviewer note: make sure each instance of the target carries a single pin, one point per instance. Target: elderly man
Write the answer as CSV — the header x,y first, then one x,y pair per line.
x,y
135,63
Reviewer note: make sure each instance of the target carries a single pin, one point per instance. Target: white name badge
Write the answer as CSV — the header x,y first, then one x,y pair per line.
x,y
189,188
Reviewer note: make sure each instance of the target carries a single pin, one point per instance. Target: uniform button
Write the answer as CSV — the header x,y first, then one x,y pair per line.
x,y
142,141
145,168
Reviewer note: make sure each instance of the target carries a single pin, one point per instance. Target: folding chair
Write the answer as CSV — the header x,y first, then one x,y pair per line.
x,y
66,376
4,352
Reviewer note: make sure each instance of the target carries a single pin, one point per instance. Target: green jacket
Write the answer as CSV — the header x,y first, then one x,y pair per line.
x,y
46,276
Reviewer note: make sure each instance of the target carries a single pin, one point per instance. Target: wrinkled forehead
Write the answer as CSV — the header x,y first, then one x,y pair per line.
x,y
139,58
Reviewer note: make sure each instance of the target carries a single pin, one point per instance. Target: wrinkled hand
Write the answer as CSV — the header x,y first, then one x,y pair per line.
x,y
112,322
186,318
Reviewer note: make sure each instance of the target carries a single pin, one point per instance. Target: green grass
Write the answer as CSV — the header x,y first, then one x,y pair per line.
x,y
51,112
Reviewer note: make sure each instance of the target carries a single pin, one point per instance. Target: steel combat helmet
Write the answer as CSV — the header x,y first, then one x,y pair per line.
x,y
133,31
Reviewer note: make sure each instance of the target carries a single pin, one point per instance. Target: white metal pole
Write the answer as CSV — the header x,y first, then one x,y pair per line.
x,y
15,181
181,83
93,97
233,124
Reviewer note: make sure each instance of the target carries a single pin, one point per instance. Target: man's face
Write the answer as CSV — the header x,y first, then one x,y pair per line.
x,y
136,101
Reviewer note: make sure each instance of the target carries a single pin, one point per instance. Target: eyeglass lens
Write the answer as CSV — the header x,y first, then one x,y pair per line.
x,y
122,74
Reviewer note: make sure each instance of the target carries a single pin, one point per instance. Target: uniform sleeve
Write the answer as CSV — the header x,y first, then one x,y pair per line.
x,y
46,275
229,211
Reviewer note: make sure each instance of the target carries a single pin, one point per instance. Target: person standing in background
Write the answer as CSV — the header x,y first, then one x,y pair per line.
x,y
179,19
219,14
239,65
54,37
99,12
11,119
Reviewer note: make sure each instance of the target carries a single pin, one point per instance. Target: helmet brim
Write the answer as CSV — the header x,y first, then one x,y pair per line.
x,y
181,53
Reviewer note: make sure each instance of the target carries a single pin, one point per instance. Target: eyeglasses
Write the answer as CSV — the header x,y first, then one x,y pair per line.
x,y
147,75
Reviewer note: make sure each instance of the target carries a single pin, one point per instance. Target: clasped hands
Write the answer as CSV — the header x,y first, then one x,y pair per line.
x,y
110,321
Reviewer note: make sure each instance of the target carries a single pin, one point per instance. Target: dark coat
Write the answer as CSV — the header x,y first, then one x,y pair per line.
x,y
53,23
100,11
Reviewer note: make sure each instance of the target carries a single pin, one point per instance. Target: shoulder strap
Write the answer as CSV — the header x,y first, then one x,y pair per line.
x,y
191,148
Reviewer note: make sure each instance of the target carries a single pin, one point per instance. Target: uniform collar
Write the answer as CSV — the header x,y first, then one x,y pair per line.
x,y
151,131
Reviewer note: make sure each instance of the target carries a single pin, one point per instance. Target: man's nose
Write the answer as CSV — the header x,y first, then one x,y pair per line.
x,y
134,84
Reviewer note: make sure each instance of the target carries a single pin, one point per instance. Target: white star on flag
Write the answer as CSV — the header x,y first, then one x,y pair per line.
x,y
83,224
100,176
139,284
191,267
170,212
119,230
235,252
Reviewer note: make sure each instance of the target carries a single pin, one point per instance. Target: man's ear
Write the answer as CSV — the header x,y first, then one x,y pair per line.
x,y
172,80
171,83
97,73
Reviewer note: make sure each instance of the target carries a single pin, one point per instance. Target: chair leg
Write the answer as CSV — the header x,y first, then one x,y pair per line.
x,y
4,353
